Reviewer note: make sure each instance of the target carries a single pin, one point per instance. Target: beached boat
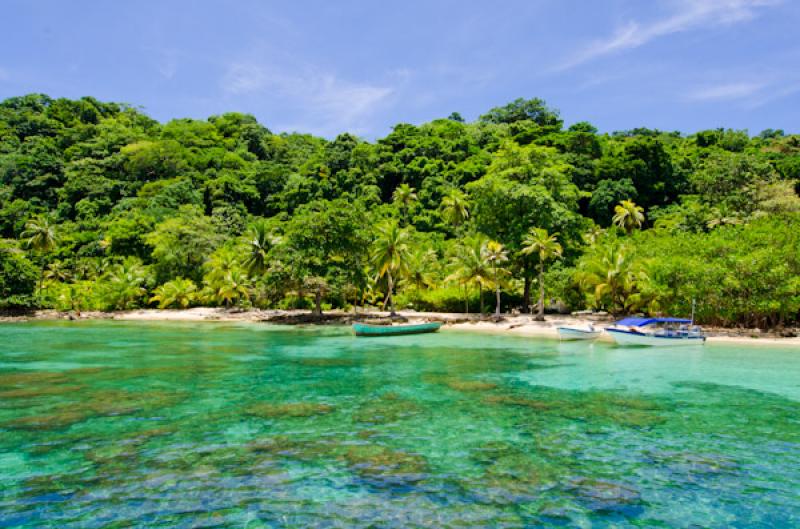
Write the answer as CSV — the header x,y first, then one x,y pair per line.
x,y
579,333
656,332
365,329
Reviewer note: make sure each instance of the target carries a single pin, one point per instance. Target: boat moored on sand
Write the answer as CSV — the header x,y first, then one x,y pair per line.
x,y
656,332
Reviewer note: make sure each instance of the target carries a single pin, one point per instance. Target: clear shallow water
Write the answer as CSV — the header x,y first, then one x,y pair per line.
x,y
109,424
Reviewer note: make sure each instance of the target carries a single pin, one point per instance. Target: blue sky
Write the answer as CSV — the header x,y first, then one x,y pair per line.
x,y
331,66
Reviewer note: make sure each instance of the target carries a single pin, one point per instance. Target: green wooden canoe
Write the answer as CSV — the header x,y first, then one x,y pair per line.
x,y
365,329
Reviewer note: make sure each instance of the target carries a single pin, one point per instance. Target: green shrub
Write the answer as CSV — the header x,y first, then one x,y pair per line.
x,y
18,277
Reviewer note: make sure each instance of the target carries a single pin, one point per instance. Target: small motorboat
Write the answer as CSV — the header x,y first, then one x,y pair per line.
x,y
579,333
366,329
656,332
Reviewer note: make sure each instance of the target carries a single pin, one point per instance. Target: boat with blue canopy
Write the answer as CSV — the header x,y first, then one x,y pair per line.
x,y
656,332
366,329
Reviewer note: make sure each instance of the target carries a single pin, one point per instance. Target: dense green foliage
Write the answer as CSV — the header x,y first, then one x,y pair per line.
x,y
102,207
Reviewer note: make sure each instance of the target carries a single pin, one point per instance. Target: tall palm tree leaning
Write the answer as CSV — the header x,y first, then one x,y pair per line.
x,y
494,252
404,196
546,247
390,254
41,237
628,216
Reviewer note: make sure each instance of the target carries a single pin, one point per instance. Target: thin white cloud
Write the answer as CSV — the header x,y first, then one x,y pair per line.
x,y
242,78
726,91
772,93
168,64
329,102
165,60
748,90
686,15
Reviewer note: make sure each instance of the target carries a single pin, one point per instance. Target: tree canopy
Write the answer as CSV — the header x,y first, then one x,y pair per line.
x,y
103,207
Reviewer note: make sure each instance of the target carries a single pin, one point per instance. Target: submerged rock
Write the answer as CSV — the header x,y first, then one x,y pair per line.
x,y
511,400
62,418
382,466
387,408
28,378
327,362
588,407
606,496
282,446
694,465
470,385
34,392
103,403
289,409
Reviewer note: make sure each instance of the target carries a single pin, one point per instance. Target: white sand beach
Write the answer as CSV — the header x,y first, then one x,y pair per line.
x,y
518,325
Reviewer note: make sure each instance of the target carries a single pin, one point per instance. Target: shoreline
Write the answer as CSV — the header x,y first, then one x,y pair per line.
x,y
511,325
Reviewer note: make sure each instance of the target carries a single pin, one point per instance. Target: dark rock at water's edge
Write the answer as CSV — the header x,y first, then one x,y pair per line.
x,y
309,318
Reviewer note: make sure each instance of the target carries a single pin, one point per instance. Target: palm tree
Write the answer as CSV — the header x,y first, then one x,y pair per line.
x,y
721,220
260,241
610,276
91,267
72,297
125,281
628,216
594,234
420,266
454,207
231,287
494,252
546,247
225,280
390,255
221,262
404,196
471,267
181,292
56,271
40,236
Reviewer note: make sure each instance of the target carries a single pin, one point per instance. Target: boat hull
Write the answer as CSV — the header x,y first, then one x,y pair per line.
x,y
571,333
623,337
365,329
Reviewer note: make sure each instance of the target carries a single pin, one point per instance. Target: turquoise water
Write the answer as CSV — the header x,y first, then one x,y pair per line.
x,y
109,424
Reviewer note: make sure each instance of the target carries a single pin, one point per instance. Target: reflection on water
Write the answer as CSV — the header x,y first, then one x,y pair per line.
x,y
110,424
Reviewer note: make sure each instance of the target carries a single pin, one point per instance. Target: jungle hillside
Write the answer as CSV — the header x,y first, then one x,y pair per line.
x,y
104,208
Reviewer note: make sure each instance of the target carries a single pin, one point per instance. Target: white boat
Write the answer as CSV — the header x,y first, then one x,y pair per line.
x,y
669,332
579,333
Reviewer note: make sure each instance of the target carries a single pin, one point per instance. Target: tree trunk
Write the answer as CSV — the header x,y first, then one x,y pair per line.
x,y
318,302
391,301
480,296
497,294
466,299
540,316
526,291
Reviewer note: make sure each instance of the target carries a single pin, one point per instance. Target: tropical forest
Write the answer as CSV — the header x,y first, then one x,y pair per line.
x,y
103,208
